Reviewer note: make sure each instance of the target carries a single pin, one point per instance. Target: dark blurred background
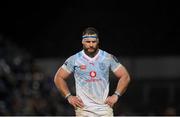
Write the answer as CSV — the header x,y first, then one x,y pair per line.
x,y
36,37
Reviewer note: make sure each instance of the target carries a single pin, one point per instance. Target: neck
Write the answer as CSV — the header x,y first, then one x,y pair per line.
x,y
92,54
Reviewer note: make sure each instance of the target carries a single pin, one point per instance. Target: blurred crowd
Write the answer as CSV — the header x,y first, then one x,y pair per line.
x,y
27,90
24,88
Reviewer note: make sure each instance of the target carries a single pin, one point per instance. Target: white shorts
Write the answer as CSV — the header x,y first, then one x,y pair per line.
x,y
107,112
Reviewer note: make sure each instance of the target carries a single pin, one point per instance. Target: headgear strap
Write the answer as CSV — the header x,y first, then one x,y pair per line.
x,y
89,36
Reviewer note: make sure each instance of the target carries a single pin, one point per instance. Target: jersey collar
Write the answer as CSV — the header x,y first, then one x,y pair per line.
x,y
89,58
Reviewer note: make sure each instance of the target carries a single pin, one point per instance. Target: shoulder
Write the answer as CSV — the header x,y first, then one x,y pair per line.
x,y
110,56
107,54
75,56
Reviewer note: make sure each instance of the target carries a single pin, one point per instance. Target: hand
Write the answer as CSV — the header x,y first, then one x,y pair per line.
x,y
111,100
75,101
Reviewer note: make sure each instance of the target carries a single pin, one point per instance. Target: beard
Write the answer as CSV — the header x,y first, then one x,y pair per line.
x,y
91,51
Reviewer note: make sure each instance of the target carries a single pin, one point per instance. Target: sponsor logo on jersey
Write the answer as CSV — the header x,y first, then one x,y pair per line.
x,y
93,77
82,67
92,74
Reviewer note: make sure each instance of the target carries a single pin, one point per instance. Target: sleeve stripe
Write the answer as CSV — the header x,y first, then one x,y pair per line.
x,y
120,65
65,68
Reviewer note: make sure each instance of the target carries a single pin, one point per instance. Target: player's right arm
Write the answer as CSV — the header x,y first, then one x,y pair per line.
x,y
60,82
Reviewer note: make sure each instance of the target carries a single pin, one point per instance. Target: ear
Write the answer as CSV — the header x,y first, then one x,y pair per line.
x,y
97,40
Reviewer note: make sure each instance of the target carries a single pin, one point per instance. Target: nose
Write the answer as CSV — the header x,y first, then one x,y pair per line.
x,y
91,44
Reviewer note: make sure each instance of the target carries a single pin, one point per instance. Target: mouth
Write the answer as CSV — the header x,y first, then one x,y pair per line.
x,y
91,49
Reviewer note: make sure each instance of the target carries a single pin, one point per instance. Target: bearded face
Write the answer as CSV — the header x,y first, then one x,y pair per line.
x,y
90,45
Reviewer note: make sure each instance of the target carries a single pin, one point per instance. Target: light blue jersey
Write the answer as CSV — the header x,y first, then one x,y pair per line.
x,y
92,76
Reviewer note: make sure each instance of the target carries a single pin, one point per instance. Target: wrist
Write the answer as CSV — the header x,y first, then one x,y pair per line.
x,y
117,94
67,95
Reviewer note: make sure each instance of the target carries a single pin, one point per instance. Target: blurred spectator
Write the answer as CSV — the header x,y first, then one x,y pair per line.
x,y
169,111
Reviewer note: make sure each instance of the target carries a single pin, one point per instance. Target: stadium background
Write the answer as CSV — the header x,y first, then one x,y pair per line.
x,y
36,37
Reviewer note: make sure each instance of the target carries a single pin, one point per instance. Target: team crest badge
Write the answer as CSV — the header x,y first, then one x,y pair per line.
x,y
102,66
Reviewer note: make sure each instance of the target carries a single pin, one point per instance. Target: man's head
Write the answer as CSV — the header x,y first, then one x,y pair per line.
x,y
90,40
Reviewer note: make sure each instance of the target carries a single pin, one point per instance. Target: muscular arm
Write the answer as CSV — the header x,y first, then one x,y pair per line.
x,y
124,79
60,82
62,86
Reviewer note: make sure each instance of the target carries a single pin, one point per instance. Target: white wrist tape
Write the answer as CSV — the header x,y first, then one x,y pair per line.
x,y
69,94
117,93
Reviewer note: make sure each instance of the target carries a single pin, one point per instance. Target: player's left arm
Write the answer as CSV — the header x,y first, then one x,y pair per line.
x,y
122,74
124,79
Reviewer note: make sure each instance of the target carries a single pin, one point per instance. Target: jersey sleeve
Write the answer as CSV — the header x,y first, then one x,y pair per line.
x,y
114,63
68,65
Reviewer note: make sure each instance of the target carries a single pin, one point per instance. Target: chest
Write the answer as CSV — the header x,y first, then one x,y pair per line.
x,y
87,67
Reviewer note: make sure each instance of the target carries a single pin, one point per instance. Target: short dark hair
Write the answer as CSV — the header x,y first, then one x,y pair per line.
x,y
90,31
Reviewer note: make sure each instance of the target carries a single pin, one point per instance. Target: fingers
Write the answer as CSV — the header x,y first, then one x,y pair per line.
x,y
111,101
79,104
111,104
108,101
76,102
